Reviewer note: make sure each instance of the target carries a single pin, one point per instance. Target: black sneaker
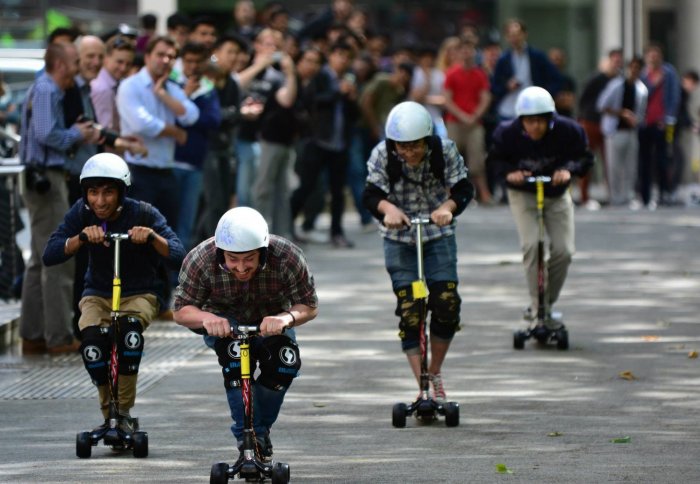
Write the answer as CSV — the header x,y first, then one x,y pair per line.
x,y
126,424
264,447
103,426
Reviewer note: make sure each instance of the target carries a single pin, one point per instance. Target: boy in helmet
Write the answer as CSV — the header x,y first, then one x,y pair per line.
x,y
539,142
414,173
103,208
244,275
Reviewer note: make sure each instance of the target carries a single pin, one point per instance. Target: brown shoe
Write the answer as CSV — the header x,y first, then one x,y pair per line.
x,y
60,349
166,315
33,346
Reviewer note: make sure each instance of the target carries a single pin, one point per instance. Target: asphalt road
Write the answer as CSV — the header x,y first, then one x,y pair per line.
x,y
537,415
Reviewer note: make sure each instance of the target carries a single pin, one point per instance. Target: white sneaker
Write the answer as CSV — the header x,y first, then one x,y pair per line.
x,y
635,205
592,205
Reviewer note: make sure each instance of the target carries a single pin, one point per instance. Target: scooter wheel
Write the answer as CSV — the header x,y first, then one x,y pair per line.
x,y
280,473
219,473
140,444
452,414
519,340
83,445
398,415
562,336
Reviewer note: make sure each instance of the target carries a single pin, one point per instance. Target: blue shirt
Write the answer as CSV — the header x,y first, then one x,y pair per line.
x,y
45,137
142,113
139,262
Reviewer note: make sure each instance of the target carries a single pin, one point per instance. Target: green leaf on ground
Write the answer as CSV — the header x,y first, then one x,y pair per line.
x,y
554,434
622,440
503,469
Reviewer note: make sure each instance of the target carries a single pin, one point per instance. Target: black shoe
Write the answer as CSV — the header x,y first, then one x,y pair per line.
x,y
102,427
340,242
126,424
264,447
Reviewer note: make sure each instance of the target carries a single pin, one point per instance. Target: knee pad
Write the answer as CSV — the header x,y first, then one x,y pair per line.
x,y
444,304
129,345
409,310
229,352
95,350
279,360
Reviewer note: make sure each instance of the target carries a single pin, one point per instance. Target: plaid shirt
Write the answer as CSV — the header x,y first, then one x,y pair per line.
x,y
284,281
422,194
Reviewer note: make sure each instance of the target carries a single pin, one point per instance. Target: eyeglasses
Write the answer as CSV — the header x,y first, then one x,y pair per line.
x,y
410,145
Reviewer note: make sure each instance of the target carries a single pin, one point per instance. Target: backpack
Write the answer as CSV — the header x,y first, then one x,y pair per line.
x,y
437,161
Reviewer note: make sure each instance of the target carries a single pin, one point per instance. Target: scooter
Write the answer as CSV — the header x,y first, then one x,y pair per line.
x,y
538,329
112,435
424,407
249,466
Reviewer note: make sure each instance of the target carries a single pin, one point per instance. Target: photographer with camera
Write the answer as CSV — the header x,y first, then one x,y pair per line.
x,y
45,321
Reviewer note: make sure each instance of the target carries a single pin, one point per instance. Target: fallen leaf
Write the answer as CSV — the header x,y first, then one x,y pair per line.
x,y
693,354
650,337
503,469
627,375
319,404
621,440
554,434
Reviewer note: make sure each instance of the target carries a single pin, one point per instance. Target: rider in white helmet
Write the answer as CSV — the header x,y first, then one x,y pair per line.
x,y
103,208
246,275
539,142
414,173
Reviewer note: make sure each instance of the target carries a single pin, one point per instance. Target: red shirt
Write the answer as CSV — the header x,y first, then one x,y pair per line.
x,y
466,85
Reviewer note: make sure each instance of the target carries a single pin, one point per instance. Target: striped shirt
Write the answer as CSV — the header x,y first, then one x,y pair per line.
x,y
421,194
284,281
45,137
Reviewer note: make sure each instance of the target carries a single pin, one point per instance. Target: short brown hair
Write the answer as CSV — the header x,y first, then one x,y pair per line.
x,y
153,41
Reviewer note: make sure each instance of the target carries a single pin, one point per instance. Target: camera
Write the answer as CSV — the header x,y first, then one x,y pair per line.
x,y
37,180
277,56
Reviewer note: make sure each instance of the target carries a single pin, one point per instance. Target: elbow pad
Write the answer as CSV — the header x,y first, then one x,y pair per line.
x,y
462,193
371,197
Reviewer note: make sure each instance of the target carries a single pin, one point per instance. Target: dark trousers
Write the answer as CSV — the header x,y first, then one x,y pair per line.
x,y
654,162
316,160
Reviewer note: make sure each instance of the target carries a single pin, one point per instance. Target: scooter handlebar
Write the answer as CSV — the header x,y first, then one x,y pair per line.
x,y
421,220
535,179
82,236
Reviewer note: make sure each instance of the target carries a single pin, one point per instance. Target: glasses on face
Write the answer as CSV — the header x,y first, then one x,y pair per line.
x,y
410,145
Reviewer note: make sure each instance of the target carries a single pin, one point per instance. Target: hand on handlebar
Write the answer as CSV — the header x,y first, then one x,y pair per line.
x,y
272,325
394,218
141,235
518,177
561,177
441,217
92,234
217,326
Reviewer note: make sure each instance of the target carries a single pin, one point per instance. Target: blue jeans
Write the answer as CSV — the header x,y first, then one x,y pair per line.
x,y
266,403
439,261
247,157
189,187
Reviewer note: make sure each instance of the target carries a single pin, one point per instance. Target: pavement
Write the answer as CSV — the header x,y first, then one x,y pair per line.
x,y
621,405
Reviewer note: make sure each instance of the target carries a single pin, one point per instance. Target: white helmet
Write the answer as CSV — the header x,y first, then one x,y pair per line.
x,y
533,101
106,165
241,229
408,121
